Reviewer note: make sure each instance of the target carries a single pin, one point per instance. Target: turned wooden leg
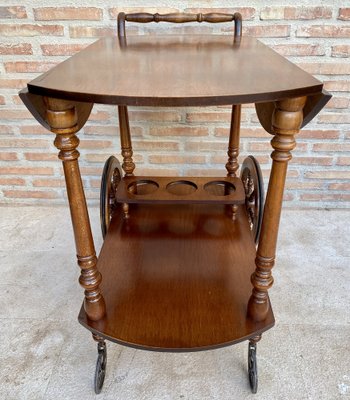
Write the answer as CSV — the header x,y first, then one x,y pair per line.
x,y
125,140
286,121
62,118
233,147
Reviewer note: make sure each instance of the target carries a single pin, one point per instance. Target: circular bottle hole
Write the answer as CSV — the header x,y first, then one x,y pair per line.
x,y
142,187
181,188
219,188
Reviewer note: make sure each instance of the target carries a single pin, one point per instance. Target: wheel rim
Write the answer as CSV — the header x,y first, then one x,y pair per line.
x,y
253,184
111,176
252,368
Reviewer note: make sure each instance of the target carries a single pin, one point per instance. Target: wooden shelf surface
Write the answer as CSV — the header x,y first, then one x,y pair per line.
x,y
177,278
138,189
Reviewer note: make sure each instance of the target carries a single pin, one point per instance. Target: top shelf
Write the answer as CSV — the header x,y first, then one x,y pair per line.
x,y
191,70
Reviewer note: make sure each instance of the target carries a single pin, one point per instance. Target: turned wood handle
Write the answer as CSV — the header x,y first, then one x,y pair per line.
x,y
179,18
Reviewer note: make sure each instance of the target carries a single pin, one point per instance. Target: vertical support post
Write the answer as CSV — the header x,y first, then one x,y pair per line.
x,y
286,121
125,140
62,118
233,147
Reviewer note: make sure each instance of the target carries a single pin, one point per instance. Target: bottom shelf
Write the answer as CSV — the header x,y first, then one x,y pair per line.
x,y
177,278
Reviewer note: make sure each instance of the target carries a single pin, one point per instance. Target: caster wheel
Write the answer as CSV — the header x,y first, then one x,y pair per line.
x,y
254,192
101,363
252,368
111,176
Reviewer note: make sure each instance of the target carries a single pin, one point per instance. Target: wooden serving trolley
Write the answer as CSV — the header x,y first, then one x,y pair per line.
x,y
186,262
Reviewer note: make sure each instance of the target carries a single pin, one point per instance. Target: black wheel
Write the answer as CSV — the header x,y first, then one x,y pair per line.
x,y
101,363
111,176
252,367
253,183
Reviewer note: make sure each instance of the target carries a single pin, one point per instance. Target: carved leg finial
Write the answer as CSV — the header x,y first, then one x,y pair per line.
x,y
62,118
286,121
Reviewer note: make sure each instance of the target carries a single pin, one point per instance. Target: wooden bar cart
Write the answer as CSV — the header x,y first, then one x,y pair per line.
x,y
186,262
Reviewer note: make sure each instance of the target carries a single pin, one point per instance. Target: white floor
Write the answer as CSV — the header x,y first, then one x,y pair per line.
x,y
46,354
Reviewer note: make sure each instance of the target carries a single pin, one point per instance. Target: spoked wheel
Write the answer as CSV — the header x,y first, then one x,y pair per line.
x,y
101,363
252,367
111,176
253,183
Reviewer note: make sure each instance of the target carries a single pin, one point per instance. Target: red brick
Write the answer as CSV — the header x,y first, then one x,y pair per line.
x,y
40,156
191,159
99,116
30,30
339,186
343,161
13,83
18,48
206,171
299,49
22,143
344,14
113,12
267,31
28,66
208,117
323,31
222,159
178,131
95,144
335,68
206,146
334,118
101,158
8,156
293,13
247,13
5,129
2,100
338,103
26,171
312,160
88,171
318,134
331,147
324,197
13,12
15,114
91,31
61,49
34,130
337,86
327,174
12,182
68,13
52,182
30,194
154,145
169,116
296,185
157,171
341,50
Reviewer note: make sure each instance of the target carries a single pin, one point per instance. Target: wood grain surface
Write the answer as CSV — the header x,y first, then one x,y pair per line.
x,y
176,71
177,278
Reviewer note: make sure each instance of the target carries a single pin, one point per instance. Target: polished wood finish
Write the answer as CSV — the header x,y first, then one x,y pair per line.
x,y
178,278
233,145
63,121
125,141
155,189
176,71
286,121
180,18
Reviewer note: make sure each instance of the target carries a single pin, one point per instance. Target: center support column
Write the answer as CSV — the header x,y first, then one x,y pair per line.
x,y
287,118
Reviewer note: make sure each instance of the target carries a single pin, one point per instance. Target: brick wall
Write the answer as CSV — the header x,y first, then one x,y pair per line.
x,y
316,36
